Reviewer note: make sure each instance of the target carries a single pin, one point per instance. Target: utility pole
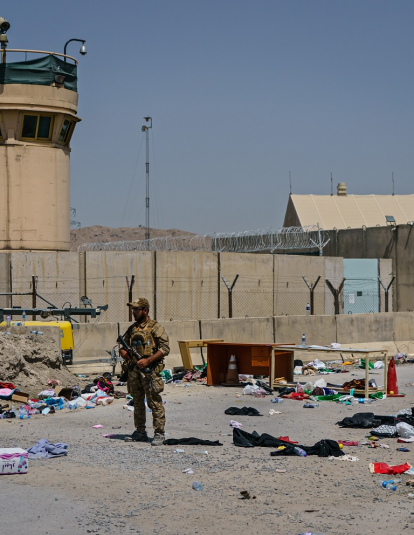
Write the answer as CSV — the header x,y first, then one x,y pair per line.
x,y
145,129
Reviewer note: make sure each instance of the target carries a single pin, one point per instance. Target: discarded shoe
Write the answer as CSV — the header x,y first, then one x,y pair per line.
x,y
137,436
158,440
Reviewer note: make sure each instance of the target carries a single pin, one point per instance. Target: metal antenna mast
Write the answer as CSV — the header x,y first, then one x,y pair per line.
x,y
393,183
147,197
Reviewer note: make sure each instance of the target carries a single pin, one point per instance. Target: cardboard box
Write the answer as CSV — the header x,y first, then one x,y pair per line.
x,y
22,397
13,461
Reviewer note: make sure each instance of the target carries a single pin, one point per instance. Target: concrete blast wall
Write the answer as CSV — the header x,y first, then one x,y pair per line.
x,y
179,285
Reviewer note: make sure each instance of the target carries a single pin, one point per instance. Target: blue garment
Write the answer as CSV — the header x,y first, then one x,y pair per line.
x,y
43,449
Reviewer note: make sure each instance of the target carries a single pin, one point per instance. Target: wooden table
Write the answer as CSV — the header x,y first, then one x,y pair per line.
x,y
185,345
362,353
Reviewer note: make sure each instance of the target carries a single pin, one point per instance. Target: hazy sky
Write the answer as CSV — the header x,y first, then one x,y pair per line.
x,y
240,92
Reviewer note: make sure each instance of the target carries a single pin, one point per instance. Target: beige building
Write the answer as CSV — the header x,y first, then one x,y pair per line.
x,y
344,211
38,106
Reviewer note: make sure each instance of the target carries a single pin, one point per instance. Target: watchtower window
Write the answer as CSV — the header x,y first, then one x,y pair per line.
x,y
66,132
37,127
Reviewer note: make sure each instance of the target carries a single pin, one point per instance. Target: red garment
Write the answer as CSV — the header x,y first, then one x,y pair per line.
x,y
7,385
348,442
286,439
383,468
295,395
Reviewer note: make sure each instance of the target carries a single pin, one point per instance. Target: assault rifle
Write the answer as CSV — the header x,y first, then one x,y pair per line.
x,y
134,355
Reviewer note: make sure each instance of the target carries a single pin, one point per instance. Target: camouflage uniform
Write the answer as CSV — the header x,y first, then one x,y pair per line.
x,y
155,338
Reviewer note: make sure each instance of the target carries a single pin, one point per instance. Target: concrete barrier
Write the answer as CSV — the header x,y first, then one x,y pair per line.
x,y
360,328
92,341
243,330
319,330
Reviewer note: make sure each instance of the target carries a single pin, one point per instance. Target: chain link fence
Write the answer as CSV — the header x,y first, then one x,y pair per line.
x,y
193,299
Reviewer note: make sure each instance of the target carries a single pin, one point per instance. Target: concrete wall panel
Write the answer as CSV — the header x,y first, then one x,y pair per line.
x,y
291,292
186,285
253,291
319,330
360,328
57,277
93,342
106,273
404,328
244,330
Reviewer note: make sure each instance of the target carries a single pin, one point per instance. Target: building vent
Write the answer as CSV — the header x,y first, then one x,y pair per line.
x,y
341,189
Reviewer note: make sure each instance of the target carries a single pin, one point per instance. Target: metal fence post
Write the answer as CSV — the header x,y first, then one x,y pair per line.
x,y
312,290
386,289
34,294
130,286
230,292
336,292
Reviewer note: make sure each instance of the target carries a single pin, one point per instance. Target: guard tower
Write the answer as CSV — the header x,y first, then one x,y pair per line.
x,y
38,106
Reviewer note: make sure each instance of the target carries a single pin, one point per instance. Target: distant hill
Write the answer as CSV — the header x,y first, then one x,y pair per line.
x,y
100,234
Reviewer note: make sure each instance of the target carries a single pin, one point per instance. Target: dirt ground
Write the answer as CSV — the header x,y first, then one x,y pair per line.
x,y
109,486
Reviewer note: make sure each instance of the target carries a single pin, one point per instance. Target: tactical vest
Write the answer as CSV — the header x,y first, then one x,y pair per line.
x,y
144,340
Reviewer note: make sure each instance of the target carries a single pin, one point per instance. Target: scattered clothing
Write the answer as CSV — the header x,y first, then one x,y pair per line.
x,y
344,458
7,385
323,448
44,450
348,442
235,425
295,395
242,411
191,441
387,431
6,393
366,420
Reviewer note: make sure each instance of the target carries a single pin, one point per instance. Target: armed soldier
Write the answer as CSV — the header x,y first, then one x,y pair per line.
x,y
149,345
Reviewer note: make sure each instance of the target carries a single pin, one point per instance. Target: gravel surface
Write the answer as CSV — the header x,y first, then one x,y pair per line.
x,y
109,486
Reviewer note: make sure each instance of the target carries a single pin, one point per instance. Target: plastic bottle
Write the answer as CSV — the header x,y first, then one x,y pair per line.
x,y
8,320
308,309
300,452
23,317
22,411
277,400
364,400
200,452
388,485
197,485
36,332
311,405
303,340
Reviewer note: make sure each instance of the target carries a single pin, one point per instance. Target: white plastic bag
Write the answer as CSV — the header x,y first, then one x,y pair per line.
x,y
250,390
405,430
321,383
318,364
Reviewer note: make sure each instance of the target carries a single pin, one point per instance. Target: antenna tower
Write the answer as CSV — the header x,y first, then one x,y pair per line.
x,y
145,129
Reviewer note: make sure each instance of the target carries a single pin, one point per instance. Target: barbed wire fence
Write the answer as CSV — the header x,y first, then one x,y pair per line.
x,y
187,298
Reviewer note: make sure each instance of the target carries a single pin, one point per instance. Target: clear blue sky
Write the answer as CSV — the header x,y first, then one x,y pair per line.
x,y
241,92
